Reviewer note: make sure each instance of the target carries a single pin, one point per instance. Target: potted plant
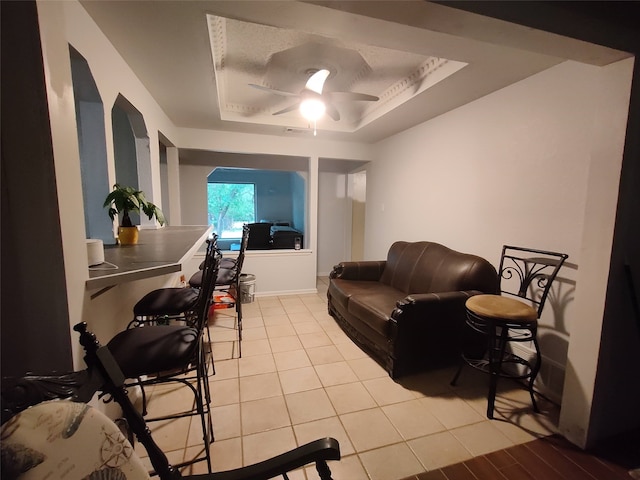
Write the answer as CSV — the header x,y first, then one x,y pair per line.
x,y
123,200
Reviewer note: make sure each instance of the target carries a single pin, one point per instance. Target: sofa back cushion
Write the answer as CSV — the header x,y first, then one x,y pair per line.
x,y
428,267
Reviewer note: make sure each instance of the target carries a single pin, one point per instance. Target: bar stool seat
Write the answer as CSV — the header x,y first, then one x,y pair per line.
x,y
501,308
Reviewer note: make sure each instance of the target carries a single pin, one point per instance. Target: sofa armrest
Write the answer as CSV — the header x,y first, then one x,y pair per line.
x,y
435,323
420,301
369,270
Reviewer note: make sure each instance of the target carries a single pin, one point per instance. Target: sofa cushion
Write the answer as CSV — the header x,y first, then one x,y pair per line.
x,y
341,290
375,307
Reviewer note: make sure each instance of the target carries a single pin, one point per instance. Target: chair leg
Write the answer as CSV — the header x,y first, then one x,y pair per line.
x,y
534,372
457,375
495,365
239,313
144,397
205,408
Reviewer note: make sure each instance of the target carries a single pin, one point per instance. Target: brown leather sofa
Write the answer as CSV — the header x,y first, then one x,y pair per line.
x,y
408,312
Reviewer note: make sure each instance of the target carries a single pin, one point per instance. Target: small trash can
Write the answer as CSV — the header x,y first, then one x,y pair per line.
x,y
247,287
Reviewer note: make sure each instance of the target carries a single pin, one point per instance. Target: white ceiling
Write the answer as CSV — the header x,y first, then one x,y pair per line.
x,y
422,59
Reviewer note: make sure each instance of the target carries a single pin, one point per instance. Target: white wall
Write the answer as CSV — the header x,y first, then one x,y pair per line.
x,y
334,221
513,167
62,24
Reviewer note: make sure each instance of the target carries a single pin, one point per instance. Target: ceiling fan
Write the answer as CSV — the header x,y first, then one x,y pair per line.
x,y
312,102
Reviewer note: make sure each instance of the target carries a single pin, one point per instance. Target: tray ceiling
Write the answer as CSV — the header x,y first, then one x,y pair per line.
x,y
196,58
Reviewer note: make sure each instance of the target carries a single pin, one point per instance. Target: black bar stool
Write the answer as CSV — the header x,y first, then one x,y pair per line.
x,y
525,274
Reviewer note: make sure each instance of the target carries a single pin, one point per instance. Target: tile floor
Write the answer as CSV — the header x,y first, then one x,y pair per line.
x,y
300,378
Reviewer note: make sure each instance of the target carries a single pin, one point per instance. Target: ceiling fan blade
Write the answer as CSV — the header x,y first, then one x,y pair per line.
x,y
350,96
316,81
271,90
332,111
288,109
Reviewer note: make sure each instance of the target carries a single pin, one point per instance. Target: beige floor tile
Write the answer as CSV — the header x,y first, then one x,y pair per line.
x,y
412,419
169,398
296,335
225,455
226,421
255,333
193,453
326,427
299,380
285,344
283,330
293,308
385,391
325,354
224,334
391,463
170,434
348,468
267,302
261,446
264,414
256,387
225,369
439,450
481,438
255,347
224,350
336,335
302,317
291,360
335,373
252,322
317,339
272,320
451,410
256,365
308,406
350,397
272,310
290,301
366,368
225,392
196,432
369,429
350,350
307,327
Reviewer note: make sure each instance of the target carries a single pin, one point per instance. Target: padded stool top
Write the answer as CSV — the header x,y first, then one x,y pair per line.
x,y
166,301
499,307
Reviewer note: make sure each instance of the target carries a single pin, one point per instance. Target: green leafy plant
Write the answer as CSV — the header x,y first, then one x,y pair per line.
x,y
123,200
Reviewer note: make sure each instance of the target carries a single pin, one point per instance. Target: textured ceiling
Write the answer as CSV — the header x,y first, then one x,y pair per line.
x,y
422,59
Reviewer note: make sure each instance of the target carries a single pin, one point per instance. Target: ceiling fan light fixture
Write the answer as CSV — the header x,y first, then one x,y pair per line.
x,y
312,109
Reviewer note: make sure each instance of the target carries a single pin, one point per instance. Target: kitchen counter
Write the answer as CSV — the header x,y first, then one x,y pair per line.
x,y
158,252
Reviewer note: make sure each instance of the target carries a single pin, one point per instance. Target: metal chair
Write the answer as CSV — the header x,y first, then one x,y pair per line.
x,y
525,274
228,280
155,354
103,375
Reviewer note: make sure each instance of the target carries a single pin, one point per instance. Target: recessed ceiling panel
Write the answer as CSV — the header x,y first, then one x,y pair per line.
x,y
282,59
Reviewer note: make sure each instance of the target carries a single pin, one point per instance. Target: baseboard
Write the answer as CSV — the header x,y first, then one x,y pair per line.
x,y
282,293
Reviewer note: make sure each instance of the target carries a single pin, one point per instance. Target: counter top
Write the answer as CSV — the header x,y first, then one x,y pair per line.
x,y
158,252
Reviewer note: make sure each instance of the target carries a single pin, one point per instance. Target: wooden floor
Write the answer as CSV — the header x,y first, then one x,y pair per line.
x,y
550,458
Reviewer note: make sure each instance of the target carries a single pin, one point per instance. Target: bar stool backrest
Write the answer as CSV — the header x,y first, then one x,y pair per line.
x,y
528,273
209,274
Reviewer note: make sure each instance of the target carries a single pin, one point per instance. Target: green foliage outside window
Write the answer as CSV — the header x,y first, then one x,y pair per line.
x,y
230,205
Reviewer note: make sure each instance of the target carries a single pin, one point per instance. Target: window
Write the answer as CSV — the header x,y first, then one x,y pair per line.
x,y
230,205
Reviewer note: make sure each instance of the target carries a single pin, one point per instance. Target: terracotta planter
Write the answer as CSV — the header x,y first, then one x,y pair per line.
x,y
127,235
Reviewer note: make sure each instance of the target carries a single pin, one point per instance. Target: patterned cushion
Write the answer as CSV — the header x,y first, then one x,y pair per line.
x,y
67,440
